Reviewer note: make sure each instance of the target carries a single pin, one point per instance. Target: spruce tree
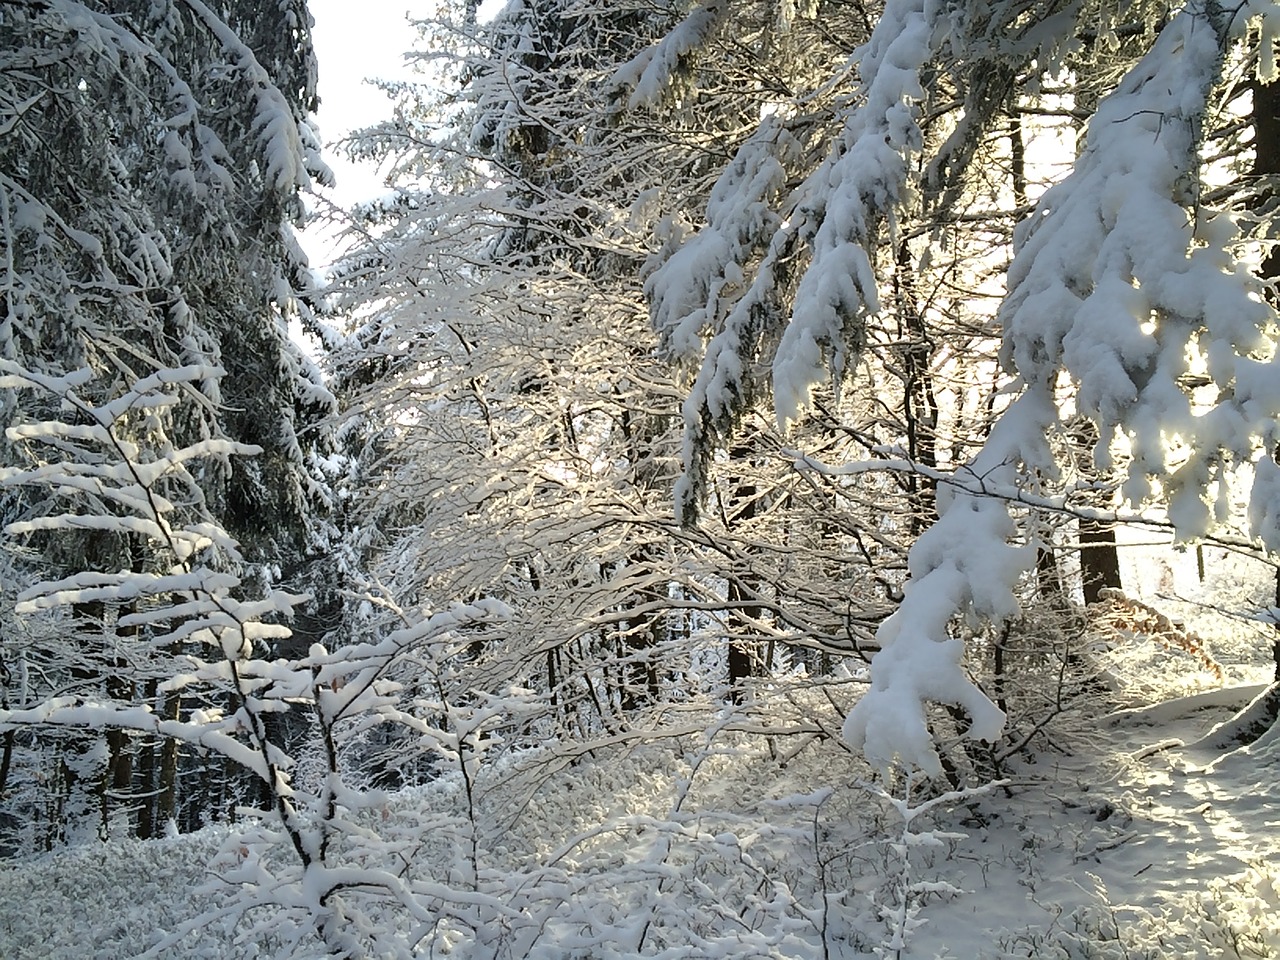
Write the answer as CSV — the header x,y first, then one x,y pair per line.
x,y
152,162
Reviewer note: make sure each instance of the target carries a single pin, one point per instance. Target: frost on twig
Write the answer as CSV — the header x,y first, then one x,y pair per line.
x,y
906,895
111,467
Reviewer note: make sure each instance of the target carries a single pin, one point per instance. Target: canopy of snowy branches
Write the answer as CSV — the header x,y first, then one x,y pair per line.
x,y
714,379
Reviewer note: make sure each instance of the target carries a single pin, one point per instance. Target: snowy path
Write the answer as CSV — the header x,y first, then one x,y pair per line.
x,y
1150,853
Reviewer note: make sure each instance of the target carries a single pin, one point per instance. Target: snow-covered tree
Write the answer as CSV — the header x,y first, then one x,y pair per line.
x,y
1127,284
506,331
152,157
513,406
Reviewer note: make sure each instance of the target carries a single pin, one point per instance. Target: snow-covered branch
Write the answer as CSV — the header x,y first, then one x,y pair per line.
x,y
1120,280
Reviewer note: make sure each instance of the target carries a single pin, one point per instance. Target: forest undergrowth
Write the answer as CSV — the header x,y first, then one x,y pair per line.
x,y
752,831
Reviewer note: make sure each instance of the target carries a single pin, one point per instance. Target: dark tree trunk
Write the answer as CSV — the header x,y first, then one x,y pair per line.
x,y
167,796
82,773
147,752
6,757
741,611
641,635
1275,642
919,404
1266,163
122,689
1099,559
1049,577
744,611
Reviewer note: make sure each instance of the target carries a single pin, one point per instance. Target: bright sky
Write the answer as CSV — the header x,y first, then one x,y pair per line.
x,y
354,42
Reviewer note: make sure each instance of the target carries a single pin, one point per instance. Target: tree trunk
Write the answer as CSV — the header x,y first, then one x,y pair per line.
x,y
167,796
744,612
147,820
82,773
919,404
1099,560
1275,642
1266,163
639,634
741,612
6,757
119,744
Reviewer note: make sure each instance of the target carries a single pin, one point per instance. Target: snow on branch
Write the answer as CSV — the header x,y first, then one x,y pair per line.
x,y
114,485
837,211
1119,279
967,564
217,734
694,287
96,459
650,74
206,172
286,146
849,198
178,581
1126,282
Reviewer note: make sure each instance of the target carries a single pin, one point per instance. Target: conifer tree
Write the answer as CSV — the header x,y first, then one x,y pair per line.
x,y
152,157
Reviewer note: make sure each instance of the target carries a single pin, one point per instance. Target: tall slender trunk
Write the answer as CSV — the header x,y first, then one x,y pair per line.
x,y
1266,163
119,774
642,636
1099,558
146,773
167,797
740,660
85,779
6,753
919,403
744,612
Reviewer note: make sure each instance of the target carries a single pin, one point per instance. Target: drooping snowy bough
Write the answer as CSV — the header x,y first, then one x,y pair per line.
x,y
836,214
1122,280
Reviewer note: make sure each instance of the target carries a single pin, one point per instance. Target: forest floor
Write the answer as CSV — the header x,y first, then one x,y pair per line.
x,y
754,832
1153,850
1140,848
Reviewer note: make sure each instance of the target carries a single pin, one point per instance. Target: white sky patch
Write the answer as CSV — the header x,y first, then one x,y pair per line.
x,y
354,43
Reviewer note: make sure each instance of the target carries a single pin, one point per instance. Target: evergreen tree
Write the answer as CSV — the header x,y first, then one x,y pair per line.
x,y
1122,282
152,160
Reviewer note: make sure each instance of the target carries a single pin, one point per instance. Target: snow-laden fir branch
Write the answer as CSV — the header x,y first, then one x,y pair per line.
x,y
1122,280
651,73
838,212
1117,283
850,198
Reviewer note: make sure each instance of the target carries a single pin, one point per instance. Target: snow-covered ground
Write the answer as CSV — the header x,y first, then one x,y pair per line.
x,y
756,832
1117,842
